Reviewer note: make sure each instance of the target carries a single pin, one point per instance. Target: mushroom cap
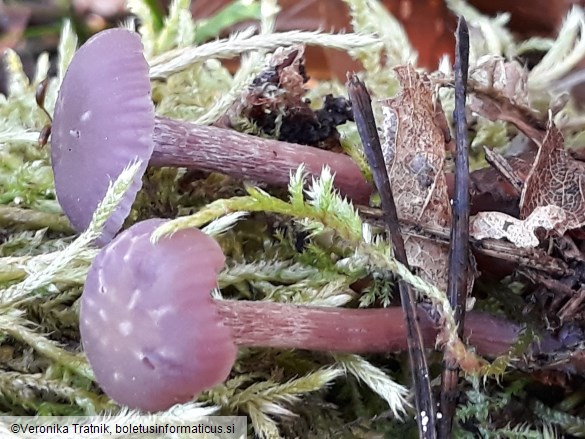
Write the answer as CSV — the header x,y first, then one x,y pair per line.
x,y
103,121
148,323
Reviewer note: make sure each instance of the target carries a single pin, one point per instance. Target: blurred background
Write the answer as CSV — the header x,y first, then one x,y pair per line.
x,y
31,27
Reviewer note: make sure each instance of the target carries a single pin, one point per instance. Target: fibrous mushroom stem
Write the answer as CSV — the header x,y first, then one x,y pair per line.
x,y
213,149
285,326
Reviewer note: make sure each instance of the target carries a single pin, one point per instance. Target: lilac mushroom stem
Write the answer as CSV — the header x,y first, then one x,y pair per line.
x,y
276,325
208,148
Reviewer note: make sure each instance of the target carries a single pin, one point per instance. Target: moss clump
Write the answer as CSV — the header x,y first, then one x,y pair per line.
x,y
304,247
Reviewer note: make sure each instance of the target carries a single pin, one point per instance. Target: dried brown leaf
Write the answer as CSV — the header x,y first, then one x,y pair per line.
x,y
504,78
521,233
573,306
555,179
414,149
279,85
416,135
498,92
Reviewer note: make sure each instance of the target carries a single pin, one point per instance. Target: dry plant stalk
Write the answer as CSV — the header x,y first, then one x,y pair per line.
x,y
459,270
366,124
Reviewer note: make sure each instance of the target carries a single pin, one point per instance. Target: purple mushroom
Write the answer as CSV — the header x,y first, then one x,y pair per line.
x,y
147,320
104,119
155,337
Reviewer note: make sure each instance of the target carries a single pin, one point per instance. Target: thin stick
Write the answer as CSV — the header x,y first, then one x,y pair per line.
x,y
366,125
500,164
459,249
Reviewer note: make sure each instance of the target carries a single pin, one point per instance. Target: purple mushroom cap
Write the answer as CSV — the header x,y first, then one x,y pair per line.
x,y
104,120
148,323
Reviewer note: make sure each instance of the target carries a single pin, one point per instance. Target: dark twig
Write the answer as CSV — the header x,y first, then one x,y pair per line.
x,y
459,249
366,125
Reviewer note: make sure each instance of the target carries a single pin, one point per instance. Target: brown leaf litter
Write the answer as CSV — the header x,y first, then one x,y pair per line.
x,y
414,148
275,104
